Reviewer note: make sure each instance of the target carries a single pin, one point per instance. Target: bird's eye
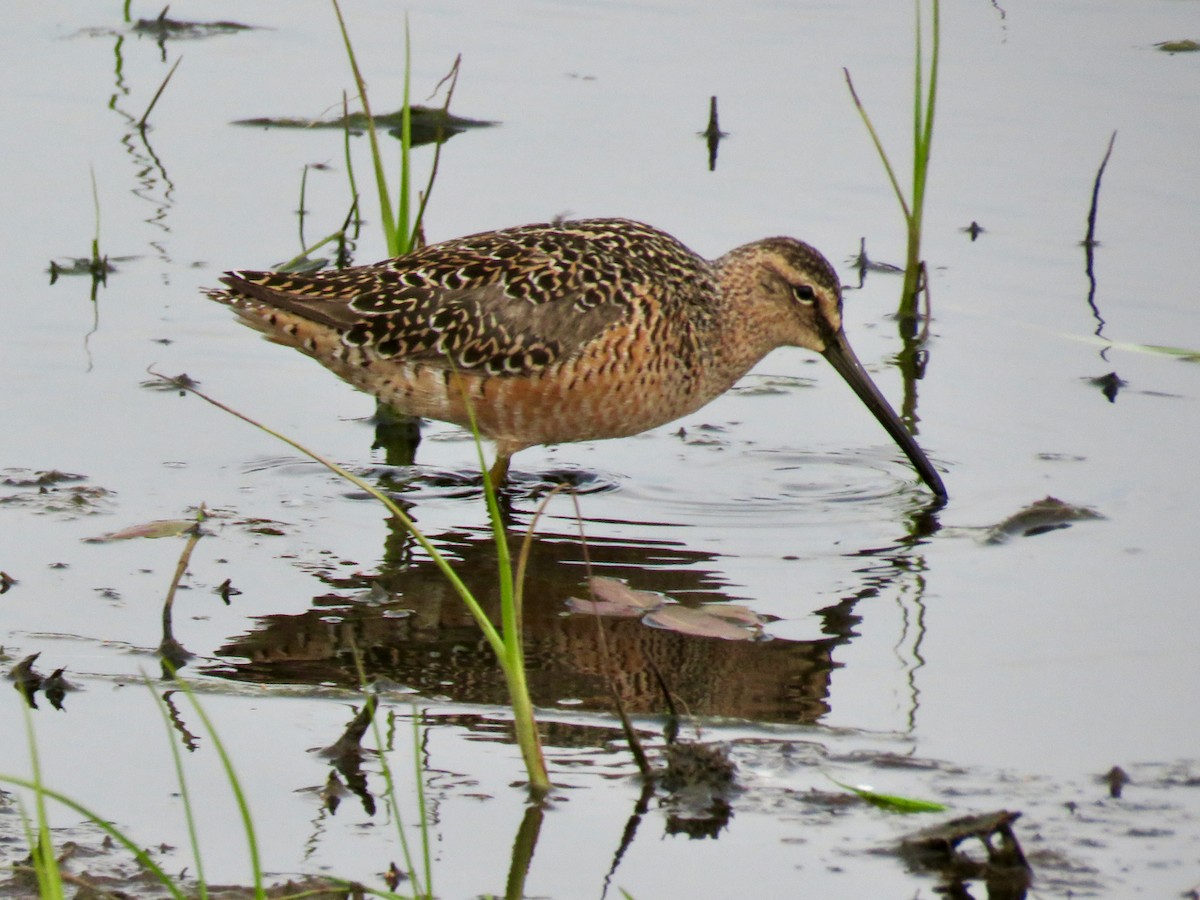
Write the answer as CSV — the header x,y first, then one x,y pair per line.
x,y
804,293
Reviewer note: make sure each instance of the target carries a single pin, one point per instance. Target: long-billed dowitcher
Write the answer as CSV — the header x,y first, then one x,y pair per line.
x,y
571,331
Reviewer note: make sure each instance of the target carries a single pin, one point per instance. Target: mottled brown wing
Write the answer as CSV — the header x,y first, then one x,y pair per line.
x,y
508,309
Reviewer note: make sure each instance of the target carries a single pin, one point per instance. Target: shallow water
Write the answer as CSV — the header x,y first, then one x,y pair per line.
x,y
1008,675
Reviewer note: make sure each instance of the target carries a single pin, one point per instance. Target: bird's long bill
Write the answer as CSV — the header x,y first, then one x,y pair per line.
x,y
842,358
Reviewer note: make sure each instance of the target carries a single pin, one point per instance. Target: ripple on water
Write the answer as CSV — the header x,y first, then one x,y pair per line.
x,y
750,486
287,465
426,482
769,487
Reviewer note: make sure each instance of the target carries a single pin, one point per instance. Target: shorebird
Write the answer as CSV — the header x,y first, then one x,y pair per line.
x,y
566,331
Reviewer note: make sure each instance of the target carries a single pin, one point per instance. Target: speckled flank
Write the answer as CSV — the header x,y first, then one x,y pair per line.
x,y
559,332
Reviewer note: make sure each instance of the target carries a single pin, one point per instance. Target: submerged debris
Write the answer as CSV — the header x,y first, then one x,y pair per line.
x,y
1109,385
25,478
56,686
1048,514
28,681
426,124
74,266
699,780
226,590
50,492
23,672
1116,778
183,382
974,230
692,764
712,134
162,28
1005,868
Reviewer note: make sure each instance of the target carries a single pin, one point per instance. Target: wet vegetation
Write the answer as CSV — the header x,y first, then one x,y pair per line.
x,y
916,275
426,125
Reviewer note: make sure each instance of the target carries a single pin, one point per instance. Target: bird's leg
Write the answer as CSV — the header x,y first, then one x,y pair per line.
x,y
498,473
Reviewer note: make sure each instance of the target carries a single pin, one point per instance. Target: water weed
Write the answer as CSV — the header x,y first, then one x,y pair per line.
x,y
913,206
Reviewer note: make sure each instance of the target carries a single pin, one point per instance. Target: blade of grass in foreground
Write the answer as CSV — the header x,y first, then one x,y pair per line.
x,y
193,835
395,218
891,802
234,785
512,660
390,786
41,852
507,647
400,234
142,857
924,104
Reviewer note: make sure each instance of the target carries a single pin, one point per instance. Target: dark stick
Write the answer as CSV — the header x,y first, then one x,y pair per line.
x,y
1090,240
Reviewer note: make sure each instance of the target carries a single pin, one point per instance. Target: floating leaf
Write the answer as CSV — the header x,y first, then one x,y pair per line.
x,y
1181,352
726,621
697,623
1184,353
601,608
615,598
157,529
612,591
890,801
1184,46
736,613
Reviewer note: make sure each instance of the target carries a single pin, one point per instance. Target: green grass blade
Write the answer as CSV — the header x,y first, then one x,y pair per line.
x,y
104,825
422,806
918,69
235,786
184,796
404,234
95,209
303,192
385,200
304,254
512,658
887,165
924,105
489,631
891,802
933,76
389,782
41,850
45,871
349,158
506,643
